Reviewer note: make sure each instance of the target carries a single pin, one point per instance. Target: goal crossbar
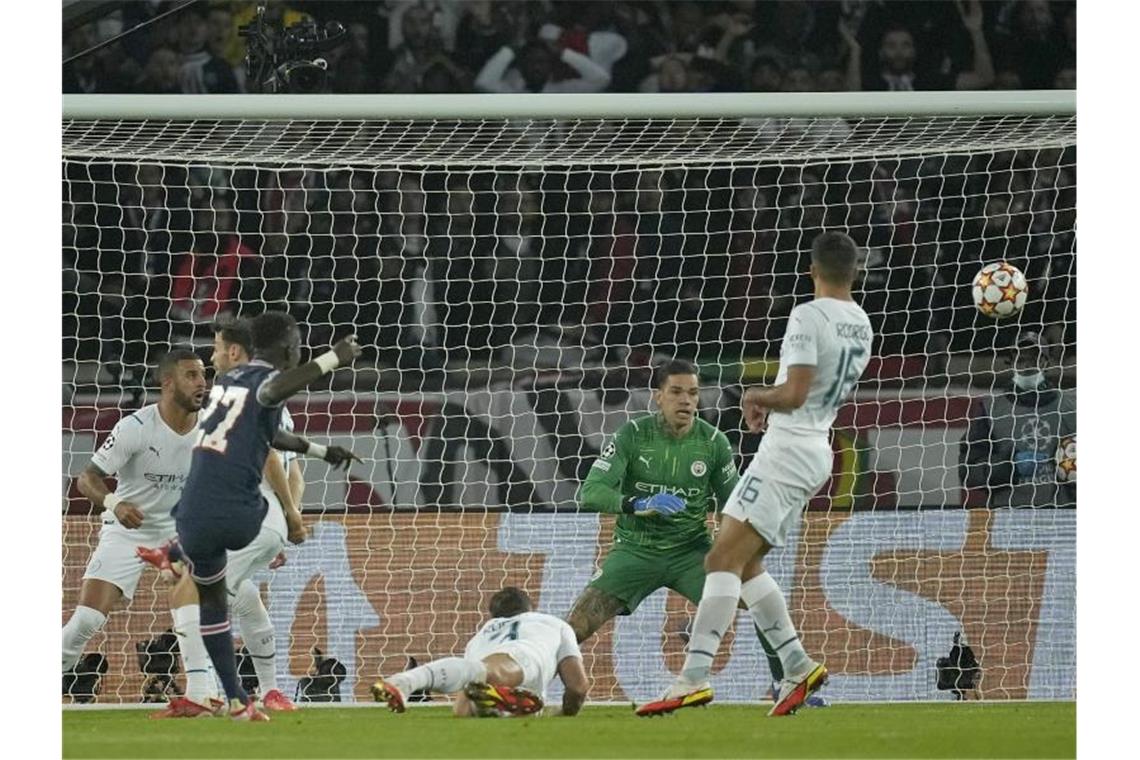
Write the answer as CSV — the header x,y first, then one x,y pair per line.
x,y
543,106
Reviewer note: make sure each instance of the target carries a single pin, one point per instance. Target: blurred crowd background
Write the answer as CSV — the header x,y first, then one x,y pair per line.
x,y
440,269
453,46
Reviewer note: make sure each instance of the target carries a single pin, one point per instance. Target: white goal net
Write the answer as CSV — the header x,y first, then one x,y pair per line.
x,y
514,281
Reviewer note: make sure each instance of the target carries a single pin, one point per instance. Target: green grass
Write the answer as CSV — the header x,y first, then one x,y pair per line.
x,y
720,731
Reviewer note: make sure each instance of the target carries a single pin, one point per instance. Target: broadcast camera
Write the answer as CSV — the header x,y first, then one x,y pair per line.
x,y
287,59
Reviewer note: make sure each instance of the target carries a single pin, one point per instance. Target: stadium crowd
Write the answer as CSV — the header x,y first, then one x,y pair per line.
x,y
536,269
439,46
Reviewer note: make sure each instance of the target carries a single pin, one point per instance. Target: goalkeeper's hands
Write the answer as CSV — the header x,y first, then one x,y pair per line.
x,y
664,504
338,456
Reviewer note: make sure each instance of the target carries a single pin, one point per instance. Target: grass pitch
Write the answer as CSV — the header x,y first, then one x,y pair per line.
x,y
721,731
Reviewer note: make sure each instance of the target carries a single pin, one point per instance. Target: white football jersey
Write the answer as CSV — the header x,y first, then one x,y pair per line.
x,y
150,462
274,516
549,640
834,337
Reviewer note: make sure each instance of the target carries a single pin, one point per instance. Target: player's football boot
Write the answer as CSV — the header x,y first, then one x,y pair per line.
x,y
813,700
159,558
679,695
181,707
278,702
389,694
492,700
794,693
247,712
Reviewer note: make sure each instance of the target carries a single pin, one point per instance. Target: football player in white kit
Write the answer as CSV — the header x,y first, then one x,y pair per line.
x,y
148,452
505,668
823,355
282,486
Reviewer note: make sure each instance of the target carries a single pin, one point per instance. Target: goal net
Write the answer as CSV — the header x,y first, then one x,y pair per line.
x,y
514,280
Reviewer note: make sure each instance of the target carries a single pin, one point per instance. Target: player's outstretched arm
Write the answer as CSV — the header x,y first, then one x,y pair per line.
x,y
284,385
577,684
337,456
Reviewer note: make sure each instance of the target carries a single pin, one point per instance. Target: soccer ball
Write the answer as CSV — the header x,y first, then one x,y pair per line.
x,y
1000,290
1066,459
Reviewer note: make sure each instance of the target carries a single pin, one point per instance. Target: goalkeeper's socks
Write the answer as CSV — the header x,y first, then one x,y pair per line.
x,y
257,633
446,676
84,623
770,612
714,616
200,682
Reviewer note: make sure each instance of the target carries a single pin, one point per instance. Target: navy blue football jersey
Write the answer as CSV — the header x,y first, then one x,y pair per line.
x,y
235,431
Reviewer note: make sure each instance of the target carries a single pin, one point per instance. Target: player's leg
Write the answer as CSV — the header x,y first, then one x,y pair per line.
x,y
96,598
201,681
112,573
511,687
592,609
626,578
689,581
445,676
261,642
252,618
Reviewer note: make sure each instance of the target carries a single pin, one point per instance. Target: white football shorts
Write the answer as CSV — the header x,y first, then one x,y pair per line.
x,y
786,472
114,559
253,557
527,659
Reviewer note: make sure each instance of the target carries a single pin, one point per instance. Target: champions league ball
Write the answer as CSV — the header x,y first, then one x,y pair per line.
x,y
1000,290
1066,459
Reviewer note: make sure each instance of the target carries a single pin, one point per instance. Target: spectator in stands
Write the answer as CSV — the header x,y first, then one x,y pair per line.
x,y
900,66
420,51
1008,454
1033,44
162,74
207,281
767,75
202,71
484,28
442,18
532,69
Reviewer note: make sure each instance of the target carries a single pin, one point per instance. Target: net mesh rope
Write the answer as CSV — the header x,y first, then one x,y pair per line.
x,y
513,283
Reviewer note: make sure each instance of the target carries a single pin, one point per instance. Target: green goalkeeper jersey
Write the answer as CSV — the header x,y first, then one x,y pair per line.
x,y
644,459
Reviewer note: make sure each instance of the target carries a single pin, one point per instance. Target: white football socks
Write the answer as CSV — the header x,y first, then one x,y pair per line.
x,y
84,623
201,682
770,611
257,633
446,676
714,616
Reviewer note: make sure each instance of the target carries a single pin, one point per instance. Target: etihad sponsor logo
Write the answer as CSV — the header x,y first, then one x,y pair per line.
x,y
161,481
659,488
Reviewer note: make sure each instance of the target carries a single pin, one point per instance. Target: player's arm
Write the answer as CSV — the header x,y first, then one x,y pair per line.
x,y
278,480
297,483
336,456
788,395
577,684
601,491
799,352
117,449
724,474
281,386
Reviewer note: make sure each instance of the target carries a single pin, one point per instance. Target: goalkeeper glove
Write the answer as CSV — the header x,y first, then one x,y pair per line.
x,y
664,504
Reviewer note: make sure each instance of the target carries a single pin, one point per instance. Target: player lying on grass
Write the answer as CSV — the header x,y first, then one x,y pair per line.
x,y
148,452
659,474
824,352
222,507
505,668
233,346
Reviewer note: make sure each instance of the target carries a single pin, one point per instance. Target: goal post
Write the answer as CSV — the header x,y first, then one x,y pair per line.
x,y
516,265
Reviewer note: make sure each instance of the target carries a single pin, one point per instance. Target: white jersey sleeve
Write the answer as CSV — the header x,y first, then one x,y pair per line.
x,y
122,443
834,337
568,646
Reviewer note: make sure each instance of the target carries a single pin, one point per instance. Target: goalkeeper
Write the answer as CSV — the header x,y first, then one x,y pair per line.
x,y
658,474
